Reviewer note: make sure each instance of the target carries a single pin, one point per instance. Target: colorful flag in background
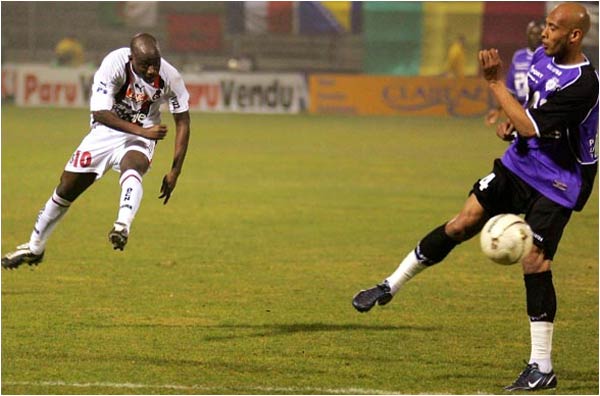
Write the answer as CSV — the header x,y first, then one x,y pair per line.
x,y
292,17
392,37
330,17
129,13
413,37
443,24
505,25
260,17
189,32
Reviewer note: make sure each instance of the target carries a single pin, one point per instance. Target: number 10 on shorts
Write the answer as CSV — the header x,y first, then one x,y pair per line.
x,y
80,159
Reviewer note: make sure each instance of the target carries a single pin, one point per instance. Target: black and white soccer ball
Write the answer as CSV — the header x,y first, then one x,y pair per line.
x,y
506,239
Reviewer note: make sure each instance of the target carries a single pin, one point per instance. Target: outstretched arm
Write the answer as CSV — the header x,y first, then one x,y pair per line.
x,y
182,137
491,64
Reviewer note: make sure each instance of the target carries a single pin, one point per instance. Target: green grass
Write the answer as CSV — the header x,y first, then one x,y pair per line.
x,y
243,282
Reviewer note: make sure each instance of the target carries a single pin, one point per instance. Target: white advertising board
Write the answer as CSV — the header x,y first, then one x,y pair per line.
x,y
40,85
247,92
52,86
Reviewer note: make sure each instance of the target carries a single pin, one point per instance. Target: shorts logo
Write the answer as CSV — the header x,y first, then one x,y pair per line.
x,y
81,160
560,185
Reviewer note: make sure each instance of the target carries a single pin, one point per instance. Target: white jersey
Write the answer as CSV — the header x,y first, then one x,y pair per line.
x,y
118,88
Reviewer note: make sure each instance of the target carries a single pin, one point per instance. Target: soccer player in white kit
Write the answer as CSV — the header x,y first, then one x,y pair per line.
x,y
127,92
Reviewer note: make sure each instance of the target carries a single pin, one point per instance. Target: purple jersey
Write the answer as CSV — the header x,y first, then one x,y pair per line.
x,y
561,160
516,78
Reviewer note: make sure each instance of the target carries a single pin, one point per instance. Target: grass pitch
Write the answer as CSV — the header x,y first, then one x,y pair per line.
x,y
242,284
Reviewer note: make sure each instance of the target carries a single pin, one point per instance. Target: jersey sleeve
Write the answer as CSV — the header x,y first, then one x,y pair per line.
x,y
569,106
108,79
179,99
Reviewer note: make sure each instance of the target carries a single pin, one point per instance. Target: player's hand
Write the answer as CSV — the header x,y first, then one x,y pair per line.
x,y
506,131
167,187
491,64
155,132
492,117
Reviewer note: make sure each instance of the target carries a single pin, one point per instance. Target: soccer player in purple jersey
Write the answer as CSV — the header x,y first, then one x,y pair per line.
x,y
516,77
546,173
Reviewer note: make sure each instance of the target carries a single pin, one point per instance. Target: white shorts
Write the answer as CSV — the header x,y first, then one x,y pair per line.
x,y
103,148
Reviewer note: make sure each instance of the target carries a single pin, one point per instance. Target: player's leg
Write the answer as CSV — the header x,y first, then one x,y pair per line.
x,y
547,220
71,185
432,249
133,165
437,244
490,195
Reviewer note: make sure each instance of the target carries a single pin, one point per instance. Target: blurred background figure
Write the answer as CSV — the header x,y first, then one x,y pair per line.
x,y
456,58
69,52
516,77
243,63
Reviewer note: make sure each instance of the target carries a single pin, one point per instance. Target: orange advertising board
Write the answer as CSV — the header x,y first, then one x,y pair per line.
x,y
389,95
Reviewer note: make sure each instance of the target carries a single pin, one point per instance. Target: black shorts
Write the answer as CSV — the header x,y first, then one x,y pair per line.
x,y
504,192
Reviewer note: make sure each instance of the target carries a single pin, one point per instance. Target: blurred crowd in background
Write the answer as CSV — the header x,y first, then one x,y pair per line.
x,y
391,38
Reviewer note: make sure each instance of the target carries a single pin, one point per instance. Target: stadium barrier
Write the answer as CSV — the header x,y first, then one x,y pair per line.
x,y
391,95
39,85
247,92
270,93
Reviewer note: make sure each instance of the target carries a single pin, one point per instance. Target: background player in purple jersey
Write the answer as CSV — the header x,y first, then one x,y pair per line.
x,y
546,173
516,77
128,90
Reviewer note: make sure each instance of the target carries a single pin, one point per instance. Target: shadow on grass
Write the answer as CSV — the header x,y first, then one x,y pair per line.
x,y
270,329
261,330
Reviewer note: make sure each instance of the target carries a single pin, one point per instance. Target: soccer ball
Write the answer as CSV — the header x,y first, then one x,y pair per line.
x,y
506,239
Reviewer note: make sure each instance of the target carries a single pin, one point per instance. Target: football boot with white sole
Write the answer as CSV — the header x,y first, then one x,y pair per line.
x,y
118,236
532,379
23,255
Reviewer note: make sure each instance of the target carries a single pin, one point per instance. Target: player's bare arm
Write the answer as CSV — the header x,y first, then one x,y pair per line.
x,y
111,120
492,65
182,137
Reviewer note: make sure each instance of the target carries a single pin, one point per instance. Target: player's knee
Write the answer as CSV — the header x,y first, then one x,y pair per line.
x,y
72,185
462,228
132,174
535,262
135,160
455,230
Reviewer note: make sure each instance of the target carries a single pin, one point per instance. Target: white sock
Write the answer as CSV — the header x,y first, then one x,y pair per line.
x,y
541,345
408,268
47,219
131,196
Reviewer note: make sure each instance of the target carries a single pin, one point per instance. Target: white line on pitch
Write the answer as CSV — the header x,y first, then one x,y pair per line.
x,y
351,391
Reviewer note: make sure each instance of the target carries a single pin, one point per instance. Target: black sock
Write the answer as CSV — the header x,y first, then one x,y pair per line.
x,y
435,246
541,297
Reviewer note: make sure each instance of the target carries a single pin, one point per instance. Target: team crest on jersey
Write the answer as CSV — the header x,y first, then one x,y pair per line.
x,y
552,84
137,96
